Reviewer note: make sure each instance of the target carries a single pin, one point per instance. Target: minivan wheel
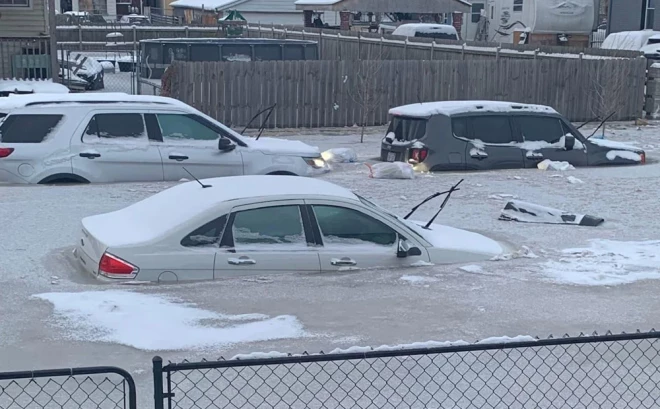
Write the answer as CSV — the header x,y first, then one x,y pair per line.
x,y
63,179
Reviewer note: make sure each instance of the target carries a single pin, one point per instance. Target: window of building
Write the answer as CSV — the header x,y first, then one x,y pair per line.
x,y
650,14
14,3
476,12
518,5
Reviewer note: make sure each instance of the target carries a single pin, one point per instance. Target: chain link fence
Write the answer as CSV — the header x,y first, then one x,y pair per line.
x,y
77,388
98,70
610,371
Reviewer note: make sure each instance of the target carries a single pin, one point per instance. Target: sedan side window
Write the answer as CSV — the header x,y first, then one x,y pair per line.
x,y
208,235
104,128
535,128
269,227
176,127
493,129
341,226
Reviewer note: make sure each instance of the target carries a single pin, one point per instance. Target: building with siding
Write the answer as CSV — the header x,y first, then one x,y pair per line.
x,y
24,40
266,12
632,15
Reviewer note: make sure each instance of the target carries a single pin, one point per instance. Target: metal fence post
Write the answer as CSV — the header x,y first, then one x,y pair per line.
x,y
158,382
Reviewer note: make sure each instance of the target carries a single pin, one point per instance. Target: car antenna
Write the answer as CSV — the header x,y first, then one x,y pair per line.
x,y
444,202
198,181
433,196
601,124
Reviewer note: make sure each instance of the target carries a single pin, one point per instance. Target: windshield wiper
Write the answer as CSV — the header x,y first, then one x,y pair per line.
x,y
588,122
444,202
433,196
270,110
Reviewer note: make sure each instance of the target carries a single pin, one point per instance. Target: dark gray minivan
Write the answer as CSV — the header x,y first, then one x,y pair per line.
x,y
479,135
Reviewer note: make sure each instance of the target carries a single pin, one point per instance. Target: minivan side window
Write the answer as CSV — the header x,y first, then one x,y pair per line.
x,y
111,126
28,128
540,128
459,127
494,129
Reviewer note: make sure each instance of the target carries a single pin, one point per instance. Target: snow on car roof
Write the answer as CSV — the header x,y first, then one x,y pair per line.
x,y
628,40
409,30
448,108
19,101
155,216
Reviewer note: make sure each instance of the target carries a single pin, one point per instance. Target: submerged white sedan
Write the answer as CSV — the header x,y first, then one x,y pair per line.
x,y
247,225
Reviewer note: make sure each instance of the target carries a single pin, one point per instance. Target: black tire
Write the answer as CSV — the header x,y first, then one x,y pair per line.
x,y
63,179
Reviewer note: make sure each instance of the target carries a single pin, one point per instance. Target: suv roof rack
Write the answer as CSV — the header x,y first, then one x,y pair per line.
x,y
94,102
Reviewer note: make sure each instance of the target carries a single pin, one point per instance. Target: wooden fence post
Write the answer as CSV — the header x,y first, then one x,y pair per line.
x,y
432,49
359,53
405,50
80,36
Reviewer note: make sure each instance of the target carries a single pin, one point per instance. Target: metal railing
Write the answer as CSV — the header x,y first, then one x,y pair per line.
x,y
102,387
608,371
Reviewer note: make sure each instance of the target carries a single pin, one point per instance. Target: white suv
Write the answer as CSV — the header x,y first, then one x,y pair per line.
x,y
130,138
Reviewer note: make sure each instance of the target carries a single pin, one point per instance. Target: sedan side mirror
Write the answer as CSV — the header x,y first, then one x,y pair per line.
x,y
225,145
404,250
569,142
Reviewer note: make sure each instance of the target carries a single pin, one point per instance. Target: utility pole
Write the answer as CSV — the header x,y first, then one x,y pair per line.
x,y
52,32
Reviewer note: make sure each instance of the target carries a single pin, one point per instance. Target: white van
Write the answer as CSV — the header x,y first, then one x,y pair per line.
x,y
646,41
437,31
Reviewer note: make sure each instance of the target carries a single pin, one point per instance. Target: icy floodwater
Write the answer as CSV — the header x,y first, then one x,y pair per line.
x,y
560,279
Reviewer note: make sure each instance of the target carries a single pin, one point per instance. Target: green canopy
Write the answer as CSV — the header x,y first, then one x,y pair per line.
x,y
233,16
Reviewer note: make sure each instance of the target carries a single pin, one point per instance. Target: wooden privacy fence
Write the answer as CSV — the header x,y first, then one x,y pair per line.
x,y
335,44
347,93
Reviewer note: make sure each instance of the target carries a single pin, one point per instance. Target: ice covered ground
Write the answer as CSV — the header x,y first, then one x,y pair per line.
x,y
561,279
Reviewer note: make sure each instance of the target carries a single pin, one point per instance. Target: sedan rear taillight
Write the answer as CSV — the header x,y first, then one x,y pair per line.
x,y
643,156
113,267
4,152
419,155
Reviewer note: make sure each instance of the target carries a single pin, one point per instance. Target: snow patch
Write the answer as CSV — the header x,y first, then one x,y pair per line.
x,y
573,180
629,155
448,108
418,279
421,263
607,262
523,252
137,320
555,165
613,144
34,86
472,268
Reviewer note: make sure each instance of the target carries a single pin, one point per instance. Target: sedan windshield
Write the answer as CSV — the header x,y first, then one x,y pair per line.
x,y
410,225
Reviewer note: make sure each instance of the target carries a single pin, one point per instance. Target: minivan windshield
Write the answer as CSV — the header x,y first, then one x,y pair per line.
x,y
407,129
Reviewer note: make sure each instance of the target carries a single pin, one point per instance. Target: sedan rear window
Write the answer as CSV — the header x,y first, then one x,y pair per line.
x,y
28,128
408,129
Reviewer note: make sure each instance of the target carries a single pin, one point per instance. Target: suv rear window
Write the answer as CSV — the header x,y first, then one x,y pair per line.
x,y
407,129
27,128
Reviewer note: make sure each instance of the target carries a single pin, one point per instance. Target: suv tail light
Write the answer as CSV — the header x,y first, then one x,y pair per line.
x,y
113,267
643,156
419,155
4,152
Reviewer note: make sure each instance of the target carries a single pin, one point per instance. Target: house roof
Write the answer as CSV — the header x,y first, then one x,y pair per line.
x,y
206,4
386,6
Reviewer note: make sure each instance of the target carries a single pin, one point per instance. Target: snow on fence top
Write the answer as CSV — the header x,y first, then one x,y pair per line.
x,y
448,108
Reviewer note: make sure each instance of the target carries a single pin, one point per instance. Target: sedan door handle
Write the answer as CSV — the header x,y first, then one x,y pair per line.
x,y
344,261
90,155
241,261
178,157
